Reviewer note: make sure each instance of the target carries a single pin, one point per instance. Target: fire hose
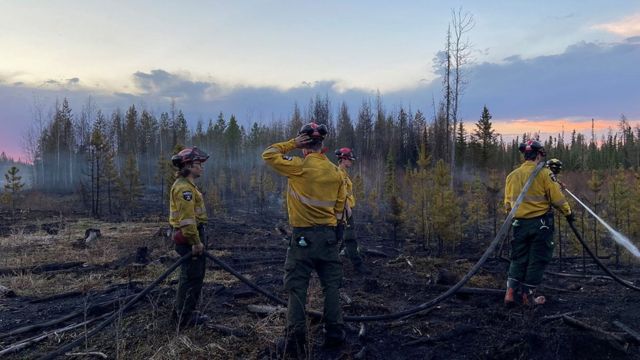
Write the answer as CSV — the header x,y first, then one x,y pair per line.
x,y
63,349
602,266
440,298
393,316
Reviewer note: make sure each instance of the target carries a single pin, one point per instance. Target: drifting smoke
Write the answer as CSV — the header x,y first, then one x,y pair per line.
x,y
618,237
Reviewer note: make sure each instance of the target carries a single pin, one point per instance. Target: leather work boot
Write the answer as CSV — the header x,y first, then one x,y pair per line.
x,y
509,297
334,336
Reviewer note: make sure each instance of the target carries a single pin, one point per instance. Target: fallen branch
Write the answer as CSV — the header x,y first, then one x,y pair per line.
x,y
547,287
225,330
374,252
92,353
116,314
460,330
473,290
57,296
612,339
632,333
579,276
557,316
41,268
265,309
23,344
89,310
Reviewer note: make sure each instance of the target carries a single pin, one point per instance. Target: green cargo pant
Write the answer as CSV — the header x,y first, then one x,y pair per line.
x,y
320,254
531,250
350,243
190,284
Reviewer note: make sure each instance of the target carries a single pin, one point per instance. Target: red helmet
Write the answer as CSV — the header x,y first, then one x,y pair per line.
x,y
345,153
188,155
531,148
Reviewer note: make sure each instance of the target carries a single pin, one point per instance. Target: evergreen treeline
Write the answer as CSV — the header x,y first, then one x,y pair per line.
x,y
402,172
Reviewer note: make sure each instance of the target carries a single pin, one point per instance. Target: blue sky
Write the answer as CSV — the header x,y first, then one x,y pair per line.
x,y
533,61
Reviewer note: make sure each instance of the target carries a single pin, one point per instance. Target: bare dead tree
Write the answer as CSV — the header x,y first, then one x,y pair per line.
x,y
460,52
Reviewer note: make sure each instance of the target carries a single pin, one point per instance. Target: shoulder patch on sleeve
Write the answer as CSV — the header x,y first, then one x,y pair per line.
x,y
187,195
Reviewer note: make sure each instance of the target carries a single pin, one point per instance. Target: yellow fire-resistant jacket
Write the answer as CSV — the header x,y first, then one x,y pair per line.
x,y
315,188
351,199
186,209
543,193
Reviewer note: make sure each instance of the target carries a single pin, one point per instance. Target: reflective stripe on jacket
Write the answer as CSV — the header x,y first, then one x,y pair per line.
x,y
542,195
186,209
315,188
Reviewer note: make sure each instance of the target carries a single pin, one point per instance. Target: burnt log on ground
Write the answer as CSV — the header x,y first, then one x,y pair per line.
x,y
632,333
25,343
266,309
38,269
612,339
579,276
133,285
90,310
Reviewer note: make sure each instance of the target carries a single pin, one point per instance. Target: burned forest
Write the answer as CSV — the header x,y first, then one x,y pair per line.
x,y
477,213
85,238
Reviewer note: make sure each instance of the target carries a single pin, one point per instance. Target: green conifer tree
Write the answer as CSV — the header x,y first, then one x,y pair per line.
x,y
130,187
13,186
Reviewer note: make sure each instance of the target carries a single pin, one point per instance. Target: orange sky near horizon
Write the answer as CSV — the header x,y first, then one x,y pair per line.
x,y
512,128
509,129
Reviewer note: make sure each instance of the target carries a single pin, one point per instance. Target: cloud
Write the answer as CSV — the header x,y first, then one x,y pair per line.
x,y
73,81
633,39
627,26
161,83
587,80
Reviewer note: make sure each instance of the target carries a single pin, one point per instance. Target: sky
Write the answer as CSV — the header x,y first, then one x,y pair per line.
x,y
538,66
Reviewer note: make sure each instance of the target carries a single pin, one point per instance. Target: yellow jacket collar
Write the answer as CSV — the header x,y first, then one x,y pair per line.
x,y
316,155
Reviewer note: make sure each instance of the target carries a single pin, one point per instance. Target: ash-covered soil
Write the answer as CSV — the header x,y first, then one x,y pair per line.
x,y
468,326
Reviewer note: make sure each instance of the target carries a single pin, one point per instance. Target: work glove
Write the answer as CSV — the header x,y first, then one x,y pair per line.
x,y
197,249
570,218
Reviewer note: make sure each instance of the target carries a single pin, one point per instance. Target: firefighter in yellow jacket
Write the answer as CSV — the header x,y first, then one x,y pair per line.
x,y
532,244
345,161
315,203
188,218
